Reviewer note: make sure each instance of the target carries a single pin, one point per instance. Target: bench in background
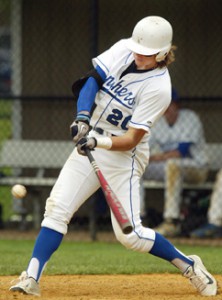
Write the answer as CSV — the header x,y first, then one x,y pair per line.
x,y
214,152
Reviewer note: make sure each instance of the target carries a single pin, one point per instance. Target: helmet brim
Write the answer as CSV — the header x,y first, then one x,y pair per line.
x,y
139,49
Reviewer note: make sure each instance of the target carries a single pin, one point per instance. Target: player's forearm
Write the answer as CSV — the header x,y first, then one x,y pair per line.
x,y
172,154
114,143
125,142
166,155
122,144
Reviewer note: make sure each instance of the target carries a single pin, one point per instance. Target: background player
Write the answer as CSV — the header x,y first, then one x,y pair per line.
x,y
178,155
131,88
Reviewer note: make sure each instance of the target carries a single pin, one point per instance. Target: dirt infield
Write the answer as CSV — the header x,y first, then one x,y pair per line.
x,y
111,287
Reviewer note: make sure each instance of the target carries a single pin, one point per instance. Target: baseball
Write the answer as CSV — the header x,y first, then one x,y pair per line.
x,y
19,191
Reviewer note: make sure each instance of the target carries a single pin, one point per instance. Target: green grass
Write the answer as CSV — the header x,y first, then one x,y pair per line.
x,y
6,202
99,258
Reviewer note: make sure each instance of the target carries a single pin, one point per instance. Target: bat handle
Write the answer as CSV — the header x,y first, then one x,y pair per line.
x,y
88,153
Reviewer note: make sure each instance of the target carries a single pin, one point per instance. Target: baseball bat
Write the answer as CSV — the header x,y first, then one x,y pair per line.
x,y
111,198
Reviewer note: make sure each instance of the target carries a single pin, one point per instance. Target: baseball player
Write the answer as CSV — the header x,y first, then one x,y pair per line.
x,y
179,156
125,94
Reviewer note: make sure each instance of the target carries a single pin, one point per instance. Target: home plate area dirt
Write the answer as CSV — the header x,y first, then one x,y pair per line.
x,y
110,287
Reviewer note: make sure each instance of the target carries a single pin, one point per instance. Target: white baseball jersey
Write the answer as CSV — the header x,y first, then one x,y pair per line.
x,y
135,100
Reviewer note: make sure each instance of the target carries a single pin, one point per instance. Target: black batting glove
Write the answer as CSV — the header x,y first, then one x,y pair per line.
x,y
80,127
86,143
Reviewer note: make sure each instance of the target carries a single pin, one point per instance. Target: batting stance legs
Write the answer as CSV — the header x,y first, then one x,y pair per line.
x,y
70,192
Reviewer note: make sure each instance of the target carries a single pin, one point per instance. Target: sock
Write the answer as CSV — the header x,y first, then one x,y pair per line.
x,y
46,244
164,249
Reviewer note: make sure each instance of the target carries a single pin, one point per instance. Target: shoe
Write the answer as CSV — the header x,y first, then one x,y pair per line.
x,y
168,229
200,278
207,231
26,285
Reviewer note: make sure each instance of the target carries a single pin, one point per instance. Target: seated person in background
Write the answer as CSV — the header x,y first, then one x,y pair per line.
x,y
180,157
213,229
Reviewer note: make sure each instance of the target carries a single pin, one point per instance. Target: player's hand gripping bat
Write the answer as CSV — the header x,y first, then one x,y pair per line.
x,y
111,198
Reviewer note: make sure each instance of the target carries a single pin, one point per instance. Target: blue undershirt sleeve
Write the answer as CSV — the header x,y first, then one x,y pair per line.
x,y
88,92
184,149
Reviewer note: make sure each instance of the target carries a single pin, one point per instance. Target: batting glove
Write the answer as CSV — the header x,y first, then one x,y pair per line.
x,y
80,127
86,143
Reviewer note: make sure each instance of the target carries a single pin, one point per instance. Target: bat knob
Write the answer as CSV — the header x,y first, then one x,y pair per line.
x,y
128,229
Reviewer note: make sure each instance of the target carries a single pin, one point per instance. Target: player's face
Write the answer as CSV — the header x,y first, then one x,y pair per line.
x,y
144,62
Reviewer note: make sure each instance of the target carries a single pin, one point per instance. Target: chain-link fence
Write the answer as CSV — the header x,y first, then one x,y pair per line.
x,y
46,45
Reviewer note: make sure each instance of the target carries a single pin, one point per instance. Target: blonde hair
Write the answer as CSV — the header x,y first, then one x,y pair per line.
x,y
169,58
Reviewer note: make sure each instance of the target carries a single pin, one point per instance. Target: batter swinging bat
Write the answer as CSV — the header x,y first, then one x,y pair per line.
x,y
111,198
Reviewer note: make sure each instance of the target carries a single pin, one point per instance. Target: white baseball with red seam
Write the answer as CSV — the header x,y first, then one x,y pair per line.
x,y
19,191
